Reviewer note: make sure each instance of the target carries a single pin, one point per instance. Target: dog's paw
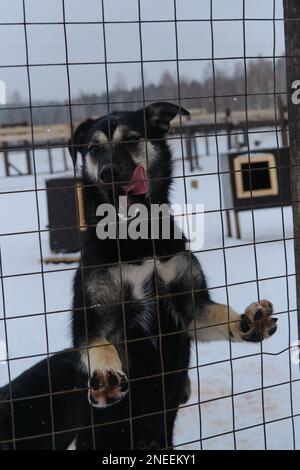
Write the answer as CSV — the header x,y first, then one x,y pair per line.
x,y
257,322
107,387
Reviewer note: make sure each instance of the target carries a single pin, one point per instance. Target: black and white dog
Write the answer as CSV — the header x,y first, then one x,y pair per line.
x,y
137,303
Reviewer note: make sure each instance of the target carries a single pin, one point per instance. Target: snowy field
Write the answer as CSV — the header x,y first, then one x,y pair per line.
x,y
231,387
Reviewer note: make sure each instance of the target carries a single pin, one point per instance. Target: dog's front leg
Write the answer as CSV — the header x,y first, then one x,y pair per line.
x,y
207,320
107,384
218,321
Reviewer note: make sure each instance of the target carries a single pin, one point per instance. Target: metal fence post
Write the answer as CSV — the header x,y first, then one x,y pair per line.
x,y
292,44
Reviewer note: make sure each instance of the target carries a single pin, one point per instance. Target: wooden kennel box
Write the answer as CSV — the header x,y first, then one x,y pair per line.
x,y
65,204
255,180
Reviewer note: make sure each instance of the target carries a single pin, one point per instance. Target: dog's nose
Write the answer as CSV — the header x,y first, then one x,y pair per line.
x,y
107,172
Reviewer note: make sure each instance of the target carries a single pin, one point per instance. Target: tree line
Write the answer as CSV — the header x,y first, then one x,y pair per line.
x,y
258,81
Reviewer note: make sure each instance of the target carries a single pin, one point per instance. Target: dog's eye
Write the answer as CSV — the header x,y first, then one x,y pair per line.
x,y
93,148
132,138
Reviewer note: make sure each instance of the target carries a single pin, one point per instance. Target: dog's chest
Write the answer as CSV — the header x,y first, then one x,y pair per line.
x,y
111,284
138,276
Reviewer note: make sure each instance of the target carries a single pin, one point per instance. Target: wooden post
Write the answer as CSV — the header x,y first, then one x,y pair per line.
x,y
50,157
28,157
196,152
292,44
64,158
237,224
5,156
228,220
189,149
229,127
206,144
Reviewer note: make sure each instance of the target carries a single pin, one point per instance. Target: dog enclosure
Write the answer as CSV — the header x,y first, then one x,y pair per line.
x,y
238,154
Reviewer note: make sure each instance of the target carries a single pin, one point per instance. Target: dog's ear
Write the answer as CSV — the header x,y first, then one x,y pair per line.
x,y
159,115
78,141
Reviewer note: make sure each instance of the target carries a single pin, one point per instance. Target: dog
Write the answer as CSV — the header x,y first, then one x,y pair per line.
x,y
137,304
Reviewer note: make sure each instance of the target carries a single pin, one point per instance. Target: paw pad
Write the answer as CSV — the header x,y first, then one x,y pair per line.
x,y
257,322
107,387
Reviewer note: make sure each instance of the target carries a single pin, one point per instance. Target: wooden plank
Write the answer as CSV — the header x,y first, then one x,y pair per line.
x,y
55,132
41,133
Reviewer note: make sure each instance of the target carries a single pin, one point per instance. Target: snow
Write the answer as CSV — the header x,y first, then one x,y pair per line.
x,y
239,385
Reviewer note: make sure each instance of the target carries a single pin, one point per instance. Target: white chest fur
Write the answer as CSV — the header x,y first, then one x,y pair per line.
x,y
106,287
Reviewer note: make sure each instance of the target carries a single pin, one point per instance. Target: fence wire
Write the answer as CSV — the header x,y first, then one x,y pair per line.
x,y
188,169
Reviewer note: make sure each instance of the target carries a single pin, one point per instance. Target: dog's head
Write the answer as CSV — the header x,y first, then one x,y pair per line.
x,y
125,153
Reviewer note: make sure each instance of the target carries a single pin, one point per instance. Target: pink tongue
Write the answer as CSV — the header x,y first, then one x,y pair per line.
x,y
138,184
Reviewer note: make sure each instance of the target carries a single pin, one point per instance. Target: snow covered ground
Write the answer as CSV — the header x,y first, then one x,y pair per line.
x,y
232,381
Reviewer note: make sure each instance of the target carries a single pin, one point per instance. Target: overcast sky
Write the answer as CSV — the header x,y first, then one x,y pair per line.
x,y
85,41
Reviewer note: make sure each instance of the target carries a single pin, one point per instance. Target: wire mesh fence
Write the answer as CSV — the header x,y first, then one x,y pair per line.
x,y
226,66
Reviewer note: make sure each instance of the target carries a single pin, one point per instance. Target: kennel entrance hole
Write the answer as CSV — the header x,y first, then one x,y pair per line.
x,y
256,175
